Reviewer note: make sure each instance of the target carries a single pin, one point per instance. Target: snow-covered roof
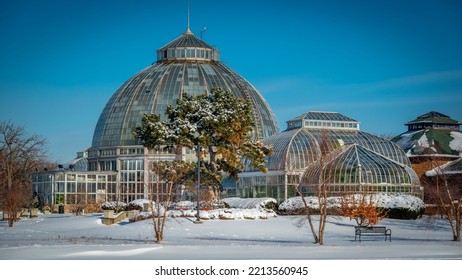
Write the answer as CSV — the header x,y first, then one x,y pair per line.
x,y
425,142
449,168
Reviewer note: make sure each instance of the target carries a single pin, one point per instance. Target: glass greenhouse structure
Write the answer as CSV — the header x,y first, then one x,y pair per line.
x,y
329,148
185,65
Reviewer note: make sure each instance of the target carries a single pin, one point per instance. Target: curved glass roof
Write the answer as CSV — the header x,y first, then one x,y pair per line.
x,y
355,166
296,149
155,87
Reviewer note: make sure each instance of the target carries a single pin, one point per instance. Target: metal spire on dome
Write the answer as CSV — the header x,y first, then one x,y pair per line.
x,y
187,47
188,31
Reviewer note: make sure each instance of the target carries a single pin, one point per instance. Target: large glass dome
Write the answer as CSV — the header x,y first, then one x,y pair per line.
x,y
185,65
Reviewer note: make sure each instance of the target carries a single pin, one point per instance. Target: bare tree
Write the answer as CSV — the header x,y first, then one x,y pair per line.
x,y
444,190
322,191
20,155
161,192
79,204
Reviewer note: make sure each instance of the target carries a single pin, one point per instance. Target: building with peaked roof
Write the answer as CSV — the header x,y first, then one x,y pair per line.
x,y
432,139
433,143
185,65
431,135
433,120
449,169
443,184
356,158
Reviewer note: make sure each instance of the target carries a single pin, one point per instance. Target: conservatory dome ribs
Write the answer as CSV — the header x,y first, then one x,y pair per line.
x,y
357,169
296,149
185,69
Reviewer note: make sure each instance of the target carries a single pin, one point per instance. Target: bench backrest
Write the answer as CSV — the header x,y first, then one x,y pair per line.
x,y
371,229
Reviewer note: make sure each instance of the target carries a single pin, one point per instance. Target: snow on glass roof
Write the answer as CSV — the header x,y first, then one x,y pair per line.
x,y
186,65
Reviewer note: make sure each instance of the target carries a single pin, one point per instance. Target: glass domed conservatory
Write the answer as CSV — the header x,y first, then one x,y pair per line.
x,y
117,162
329,147
185,65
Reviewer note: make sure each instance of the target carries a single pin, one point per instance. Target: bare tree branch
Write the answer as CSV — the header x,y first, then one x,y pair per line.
x,y
20,155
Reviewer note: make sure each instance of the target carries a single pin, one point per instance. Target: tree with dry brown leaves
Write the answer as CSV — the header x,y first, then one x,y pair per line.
x,y
361,208
20,155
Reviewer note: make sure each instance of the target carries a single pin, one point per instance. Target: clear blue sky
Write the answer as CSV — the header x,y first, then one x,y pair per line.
x,y
382,62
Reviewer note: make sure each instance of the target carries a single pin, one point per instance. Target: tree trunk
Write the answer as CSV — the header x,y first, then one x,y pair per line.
x,y
308,216
159,237
213,164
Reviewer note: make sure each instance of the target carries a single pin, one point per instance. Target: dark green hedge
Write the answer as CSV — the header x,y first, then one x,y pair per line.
x,y
404,213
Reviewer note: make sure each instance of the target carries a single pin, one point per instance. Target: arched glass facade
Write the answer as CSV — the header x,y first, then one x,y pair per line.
x,y
299,148
355,168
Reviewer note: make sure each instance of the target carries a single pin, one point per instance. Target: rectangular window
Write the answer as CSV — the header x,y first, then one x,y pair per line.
x,y
81,188
91,187
71,187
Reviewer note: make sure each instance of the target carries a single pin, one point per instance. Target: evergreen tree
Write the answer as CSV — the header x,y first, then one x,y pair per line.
x,y
220,122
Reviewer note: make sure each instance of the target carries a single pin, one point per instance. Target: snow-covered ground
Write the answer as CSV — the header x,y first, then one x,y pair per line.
x,y
59,236
128,249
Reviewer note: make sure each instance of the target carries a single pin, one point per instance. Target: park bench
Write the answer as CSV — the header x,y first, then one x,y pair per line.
x,y
372,231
